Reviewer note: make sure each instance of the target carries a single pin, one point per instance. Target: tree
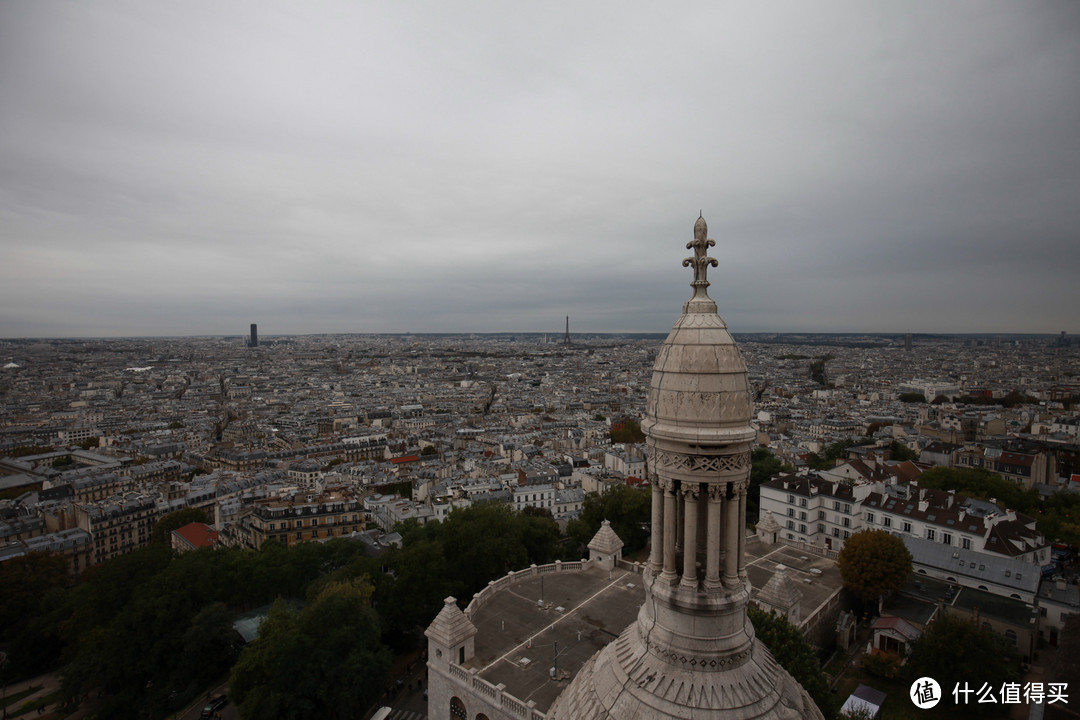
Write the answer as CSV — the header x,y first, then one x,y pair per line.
x,y
24,581
628,509
873,563
832,453
953,650
325,661
162,532
791,649
901,452
763,467
912,397
626,430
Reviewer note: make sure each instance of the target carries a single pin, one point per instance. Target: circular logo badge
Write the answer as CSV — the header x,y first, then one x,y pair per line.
x,y
925,693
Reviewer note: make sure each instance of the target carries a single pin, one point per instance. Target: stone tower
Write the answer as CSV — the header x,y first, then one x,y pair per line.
x,y
692,652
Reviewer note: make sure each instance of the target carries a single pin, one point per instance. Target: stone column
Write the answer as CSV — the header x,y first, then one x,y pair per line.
x,y
690,494
731,541
656,550
671,529
742,530
680,524
713,540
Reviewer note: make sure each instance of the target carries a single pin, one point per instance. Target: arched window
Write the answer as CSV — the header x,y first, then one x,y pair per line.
x,y
457,709
481,716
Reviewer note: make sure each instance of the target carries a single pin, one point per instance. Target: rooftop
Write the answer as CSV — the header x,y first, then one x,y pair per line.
x,y
583,612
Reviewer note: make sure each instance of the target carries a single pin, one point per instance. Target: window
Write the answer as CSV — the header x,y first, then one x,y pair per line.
x,y
790,525
802,502
886,521
965,543
847,508
946,538
847,522
836,505
791,512
791,499
870,518
930,534
907,527
836,532
802,529
802,515
846,534
820,514
820,528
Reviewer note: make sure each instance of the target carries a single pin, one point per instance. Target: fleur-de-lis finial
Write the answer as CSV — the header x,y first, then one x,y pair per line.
x,y
701,261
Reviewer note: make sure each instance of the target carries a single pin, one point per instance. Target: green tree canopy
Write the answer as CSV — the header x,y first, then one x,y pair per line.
x,y
901,452
873,563
325,661
24,581
626,430
763,467
791,649
828,457
628,509
162,532
953,650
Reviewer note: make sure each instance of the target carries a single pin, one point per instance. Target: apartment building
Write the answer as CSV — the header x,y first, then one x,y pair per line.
x,y
814,510
118,525
304,517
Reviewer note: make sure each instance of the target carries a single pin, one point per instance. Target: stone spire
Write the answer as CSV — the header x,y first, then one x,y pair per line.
x,y
692,652
781,595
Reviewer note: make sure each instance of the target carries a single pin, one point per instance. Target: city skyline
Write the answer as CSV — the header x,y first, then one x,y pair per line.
x,y
333,168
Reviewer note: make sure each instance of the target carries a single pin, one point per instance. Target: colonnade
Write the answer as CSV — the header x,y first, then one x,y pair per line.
x,y
687,515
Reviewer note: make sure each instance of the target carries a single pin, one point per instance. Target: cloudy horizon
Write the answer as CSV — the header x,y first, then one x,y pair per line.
x,y
190,168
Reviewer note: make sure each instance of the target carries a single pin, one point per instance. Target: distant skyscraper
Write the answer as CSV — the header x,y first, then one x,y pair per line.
x,y
907,341
567,340
254,341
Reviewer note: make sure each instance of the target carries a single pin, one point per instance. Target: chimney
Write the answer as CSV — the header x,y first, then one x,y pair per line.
x,y
963,513
923,505
949,499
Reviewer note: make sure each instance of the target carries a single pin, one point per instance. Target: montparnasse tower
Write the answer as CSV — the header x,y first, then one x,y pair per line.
x,y
692,651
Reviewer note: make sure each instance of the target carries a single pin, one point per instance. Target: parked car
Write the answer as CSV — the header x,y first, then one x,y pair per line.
x,y
214,706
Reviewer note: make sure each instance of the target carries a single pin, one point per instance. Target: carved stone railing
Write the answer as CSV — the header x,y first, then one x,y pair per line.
x,y
512,578
496,695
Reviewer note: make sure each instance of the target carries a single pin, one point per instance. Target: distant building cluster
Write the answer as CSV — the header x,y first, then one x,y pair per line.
x,y
320,437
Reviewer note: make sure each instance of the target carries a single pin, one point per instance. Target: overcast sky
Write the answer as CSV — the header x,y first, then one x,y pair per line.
x,y
191,167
